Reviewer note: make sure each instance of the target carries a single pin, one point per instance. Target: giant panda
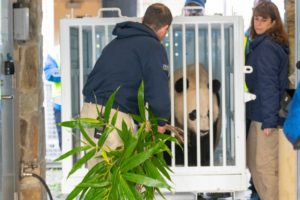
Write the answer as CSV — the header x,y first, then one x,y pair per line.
x,y
205,113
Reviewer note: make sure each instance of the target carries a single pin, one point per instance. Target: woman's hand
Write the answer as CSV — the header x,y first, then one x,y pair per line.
x,y
268,131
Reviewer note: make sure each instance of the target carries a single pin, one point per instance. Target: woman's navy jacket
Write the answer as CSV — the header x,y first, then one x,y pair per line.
x,y
268,80
135,55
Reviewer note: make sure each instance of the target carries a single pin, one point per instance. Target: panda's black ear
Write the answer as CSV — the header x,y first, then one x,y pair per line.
x,y
216,85
179,85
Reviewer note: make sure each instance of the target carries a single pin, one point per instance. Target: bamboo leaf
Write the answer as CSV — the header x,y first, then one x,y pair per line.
x,y
83,193
94,185
105,157
74,193
153,172
97,108
100,195
104,136
162,167
72,151
82,161
92,192
144,180
138,159
137,118
85,135
98,168
137,194
128,151
115,184
160,193
124,133
109,104
85,122
141,101
114,118
126,189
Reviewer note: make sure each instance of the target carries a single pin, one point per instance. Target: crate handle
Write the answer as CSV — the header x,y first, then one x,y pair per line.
x,y
101,10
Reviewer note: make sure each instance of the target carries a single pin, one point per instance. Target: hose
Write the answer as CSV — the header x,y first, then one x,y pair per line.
x,y
41,180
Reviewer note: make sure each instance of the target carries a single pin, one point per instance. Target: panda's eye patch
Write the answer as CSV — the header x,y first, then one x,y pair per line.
x,y
179,85
193,115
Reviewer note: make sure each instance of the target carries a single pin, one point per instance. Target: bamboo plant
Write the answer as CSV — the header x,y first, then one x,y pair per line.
x,y
135,171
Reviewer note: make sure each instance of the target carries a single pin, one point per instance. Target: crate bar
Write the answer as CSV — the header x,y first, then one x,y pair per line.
x,y
211,131
198,111
184,96
171,65
66,109
80,64
223,103
94,43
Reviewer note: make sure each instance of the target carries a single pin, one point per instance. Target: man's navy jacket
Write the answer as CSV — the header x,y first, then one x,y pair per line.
x,y
135,55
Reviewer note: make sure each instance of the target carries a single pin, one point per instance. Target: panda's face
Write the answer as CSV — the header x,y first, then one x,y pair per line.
x,y
191,100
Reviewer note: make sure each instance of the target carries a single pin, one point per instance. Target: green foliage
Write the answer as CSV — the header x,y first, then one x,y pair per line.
x,y
135,171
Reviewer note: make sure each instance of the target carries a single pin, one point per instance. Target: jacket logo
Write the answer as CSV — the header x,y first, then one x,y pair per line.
x,y
166,68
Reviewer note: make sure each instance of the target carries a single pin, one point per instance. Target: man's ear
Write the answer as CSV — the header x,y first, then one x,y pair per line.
x,y
162,32
166,28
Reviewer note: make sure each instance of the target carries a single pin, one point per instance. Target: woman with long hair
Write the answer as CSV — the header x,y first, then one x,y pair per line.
x,y
268,55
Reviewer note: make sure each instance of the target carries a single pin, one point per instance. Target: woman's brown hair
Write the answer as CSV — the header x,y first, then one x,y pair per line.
x,y
266,10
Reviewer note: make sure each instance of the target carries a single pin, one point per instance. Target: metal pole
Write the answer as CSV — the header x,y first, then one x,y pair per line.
x,y
297,74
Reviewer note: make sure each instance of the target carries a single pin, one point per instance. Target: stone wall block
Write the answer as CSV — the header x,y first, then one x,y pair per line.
x,y
34,132
30,68
32,191
23,138
29,103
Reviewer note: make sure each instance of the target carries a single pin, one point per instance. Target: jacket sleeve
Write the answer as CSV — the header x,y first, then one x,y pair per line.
x,y
268,66
156,82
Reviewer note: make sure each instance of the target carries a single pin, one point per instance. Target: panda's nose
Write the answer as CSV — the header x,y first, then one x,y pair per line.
x,y
192,115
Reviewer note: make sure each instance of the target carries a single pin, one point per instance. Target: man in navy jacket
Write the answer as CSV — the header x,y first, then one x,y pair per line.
x,y
135,55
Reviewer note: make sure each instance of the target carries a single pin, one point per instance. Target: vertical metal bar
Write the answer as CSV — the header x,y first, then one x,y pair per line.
x,y
106,35
223,103
239,140
94,44
198,111
66,91
211,131
297,57
172,89
9,156
297,51
81,75
80,64
7,150
184,95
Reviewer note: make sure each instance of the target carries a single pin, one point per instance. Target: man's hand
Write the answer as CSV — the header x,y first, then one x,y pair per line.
x,y
161,129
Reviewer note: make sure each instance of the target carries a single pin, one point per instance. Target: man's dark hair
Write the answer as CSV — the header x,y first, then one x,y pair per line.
x,y
157,15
